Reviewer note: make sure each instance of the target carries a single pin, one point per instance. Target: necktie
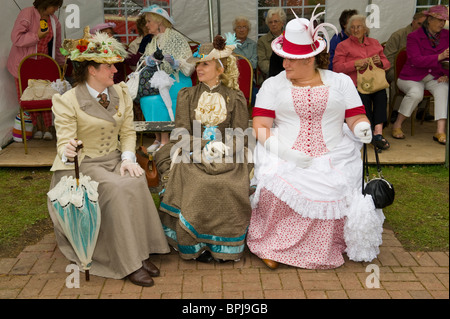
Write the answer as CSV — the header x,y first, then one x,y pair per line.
x,y
103,100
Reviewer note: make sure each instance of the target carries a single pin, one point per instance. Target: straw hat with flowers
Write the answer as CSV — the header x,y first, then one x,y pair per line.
x,y
99,48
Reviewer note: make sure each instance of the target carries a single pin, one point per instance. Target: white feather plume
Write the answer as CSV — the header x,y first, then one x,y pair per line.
x,y
320,28
114,45
314,31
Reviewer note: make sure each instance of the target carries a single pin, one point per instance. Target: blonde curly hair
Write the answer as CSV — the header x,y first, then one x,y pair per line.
x,y
231,74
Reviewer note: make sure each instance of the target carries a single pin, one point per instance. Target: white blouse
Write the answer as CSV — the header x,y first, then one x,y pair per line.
x,y
309,118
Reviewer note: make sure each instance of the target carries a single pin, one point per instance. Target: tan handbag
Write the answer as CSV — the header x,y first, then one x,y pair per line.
x,y
372,80
38,90
147,163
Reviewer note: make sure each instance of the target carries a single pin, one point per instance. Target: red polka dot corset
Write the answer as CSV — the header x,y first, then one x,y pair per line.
x,y
310,105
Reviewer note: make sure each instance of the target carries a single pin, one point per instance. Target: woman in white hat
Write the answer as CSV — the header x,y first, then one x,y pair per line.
x,y
176,51
308,167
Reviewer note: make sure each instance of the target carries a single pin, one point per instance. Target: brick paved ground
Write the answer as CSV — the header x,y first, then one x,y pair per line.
x,y
39,272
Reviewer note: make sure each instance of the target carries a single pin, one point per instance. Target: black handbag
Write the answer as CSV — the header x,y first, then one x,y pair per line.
x,y
379,188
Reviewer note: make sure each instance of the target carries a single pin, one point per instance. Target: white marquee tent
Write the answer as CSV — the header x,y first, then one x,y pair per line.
x,y
192,18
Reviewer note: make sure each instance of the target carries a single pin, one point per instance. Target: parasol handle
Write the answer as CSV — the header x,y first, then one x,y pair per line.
x,y
77,167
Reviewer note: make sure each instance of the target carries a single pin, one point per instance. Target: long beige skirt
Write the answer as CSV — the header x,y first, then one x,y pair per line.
x,y
130,226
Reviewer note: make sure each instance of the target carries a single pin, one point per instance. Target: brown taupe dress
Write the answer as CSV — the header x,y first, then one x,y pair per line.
x,y
204,205
130,226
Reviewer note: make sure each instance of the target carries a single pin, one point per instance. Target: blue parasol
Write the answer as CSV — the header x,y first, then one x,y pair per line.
x,y
76,203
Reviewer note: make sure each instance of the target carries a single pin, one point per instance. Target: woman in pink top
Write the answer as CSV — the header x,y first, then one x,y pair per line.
x,y
354,53
28,38
426,48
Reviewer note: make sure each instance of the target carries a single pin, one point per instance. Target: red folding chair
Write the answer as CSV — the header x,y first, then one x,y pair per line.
x,y
194,45
36,66
400,60
245,77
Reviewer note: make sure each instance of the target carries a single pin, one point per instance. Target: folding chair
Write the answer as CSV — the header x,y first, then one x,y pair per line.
x,y
400,60
194,45
36,66
245,77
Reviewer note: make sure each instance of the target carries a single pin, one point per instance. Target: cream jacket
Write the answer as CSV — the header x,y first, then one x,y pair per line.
x,y
79,115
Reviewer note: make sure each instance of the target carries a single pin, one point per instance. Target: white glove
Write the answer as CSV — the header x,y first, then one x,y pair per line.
x,y
151,61
70,150
283,151
215,150
133,168
363,131
174,63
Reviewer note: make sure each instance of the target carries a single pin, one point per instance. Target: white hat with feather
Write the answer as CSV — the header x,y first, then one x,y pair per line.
x,y
301,39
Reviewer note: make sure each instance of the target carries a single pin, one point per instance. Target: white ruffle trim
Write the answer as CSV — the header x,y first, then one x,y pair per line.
x,y
278,180
364,223
305,207
66,191
363,229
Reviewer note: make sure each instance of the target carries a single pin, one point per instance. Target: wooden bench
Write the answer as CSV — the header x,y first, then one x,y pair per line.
x,y
153,127
158,127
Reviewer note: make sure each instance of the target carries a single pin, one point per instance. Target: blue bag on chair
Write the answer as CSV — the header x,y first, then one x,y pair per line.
x,y
153,106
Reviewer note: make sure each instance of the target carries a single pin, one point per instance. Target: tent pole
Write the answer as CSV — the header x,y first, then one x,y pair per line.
x,y
219,20
211,20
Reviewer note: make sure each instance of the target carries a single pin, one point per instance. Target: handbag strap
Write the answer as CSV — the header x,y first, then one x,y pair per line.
x,y
139,67
371,63
366,166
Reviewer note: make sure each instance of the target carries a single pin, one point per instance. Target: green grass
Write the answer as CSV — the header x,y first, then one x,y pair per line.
x,y
23,201
419,215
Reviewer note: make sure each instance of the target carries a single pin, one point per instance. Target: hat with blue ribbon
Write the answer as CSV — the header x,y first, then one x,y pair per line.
x,y
159,11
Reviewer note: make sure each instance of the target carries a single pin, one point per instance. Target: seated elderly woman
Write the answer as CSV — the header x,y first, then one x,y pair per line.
x,y
247,47
175,51
100,115
352,55
427,47
205,208
275,20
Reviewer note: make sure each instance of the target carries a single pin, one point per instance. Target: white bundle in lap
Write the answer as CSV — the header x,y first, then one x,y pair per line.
x,y
363,229
163,82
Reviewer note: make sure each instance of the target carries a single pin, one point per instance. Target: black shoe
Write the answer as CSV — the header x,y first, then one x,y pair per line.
x,y
141,278
205,257
428,117
380,142
394,116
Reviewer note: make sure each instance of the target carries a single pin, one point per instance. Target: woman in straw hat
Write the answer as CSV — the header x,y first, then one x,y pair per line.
x,y
427,47
98,113
308,207
205,208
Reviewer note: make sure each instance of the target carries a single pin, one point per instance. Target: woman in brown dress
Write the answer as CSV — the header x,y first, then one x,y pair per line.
x,y
205,207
